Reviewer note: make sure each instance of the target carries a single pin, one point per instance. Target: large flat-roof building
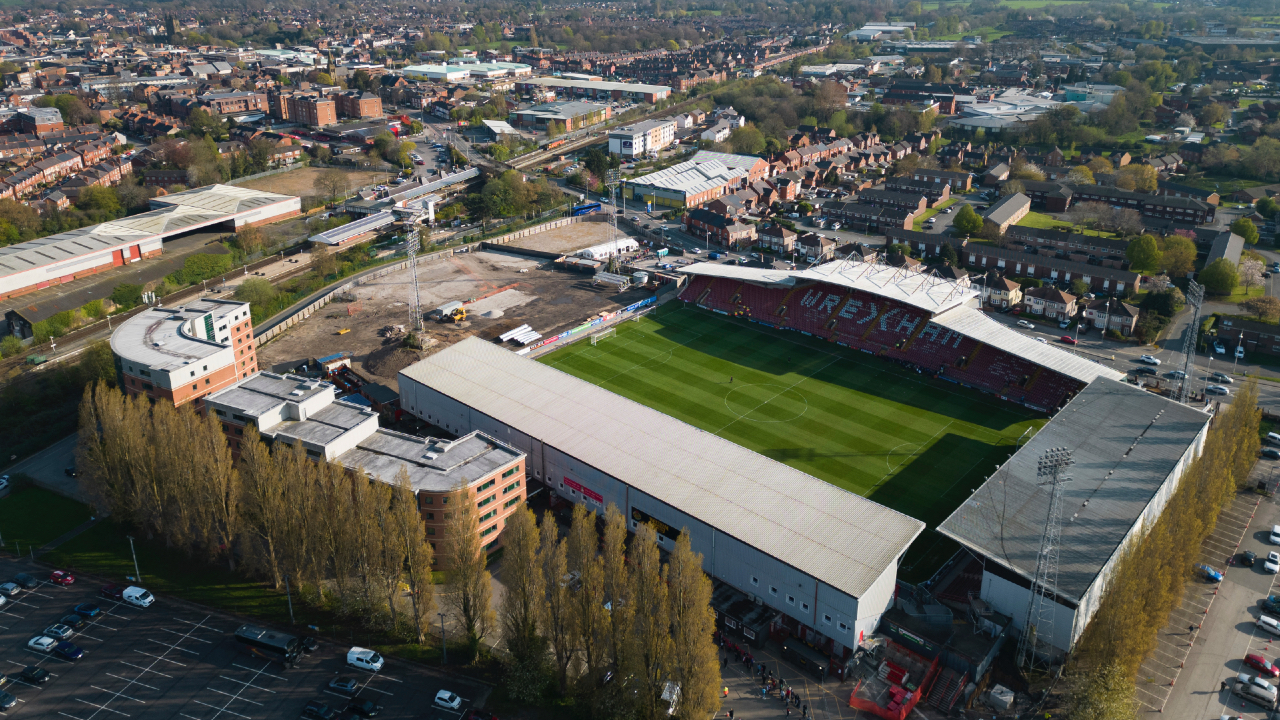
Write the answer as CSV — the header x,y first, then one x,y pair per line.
x,y
819,555
1130,449
183,354
37,264
688,184
570,114
295,410
597,89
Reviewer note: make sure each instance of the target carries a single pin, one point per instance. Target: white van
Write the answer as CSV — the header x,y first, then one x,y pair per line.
x,y
138,596
1255,690
1275,535
1268,625
364,659
1273,438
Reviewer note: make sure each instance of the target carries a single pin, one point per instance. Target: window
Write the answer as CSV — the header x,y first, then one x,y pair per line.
x,y
510,472
313,453
240,418
485,501
431,531
488,515
488,530
206,381
427,500
755,580
430,516
842,626
220,413
206,368
193,373
486,486
510,502
804,606
444,501
513,486
826,619
773,591
791,600
194,387
146,386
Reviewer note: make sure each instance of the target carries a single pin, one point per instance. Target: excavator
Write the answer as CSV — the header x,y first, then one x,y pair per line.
x,y
456,315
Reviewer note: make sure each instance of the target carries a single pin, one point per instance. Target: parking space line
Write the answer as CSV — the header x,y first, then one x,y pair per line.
x,y
384,677
200,625
146,670
101,707
21,682
82,635
185,637
236,696
259,672
384,692
6,612
135,682
118,694
222,710
70,716
158,657
108,627
175,647
242,682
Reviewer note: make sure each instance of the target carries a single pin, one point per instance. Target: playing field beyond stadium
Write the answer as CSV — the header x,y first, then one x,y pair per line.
x,y
905,440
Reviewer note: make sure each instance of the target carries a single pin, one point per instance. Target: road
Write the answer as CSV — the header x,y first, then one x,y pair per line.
x,y
48,468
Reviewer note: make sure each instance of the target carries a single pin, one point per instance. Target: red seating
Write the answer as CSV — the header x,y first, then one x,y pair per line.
x,y
810,307
694,288
762,301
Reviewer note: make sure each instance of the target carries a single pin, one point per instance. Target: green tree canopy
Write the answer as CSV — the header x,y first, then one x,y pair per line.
x,y
1220,277
1245,228
1144,254
967,221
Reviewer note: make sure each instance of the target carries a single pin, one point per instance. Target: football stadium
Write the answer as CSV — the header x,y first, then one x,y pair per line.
x,y
831,439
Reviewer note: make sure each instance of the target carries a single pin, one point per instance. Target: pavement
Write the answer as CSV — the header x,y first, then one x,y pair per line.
x,y
48,468
1214,628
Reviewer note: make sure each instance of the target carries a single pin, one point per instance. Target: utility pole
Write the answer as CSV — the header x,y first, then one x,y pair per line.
x,y
1040,611
414,246
136,573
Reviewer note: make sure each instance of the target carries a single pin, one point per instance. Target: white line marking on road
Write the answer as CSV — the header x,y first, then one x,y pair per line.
x,y
175,647
242,682
147,670
222,710
135,682
161,657
101,708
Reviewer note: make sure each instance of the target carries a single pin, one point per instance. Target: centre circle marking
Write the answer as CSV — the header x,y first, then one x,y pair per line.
x,y
776,391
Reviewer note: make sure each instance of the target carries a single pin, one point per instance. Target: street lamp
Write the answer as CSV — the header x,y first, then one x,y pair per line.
x,y
444,643
133,552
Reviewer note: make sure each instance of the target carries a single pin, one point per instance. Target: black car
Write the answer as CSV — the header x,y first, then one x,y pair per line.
x,y
310,644
1247,558
73,621
1143,371
364,708
88,610
7,700
71,471
1272,453
34,675
26,581
318,710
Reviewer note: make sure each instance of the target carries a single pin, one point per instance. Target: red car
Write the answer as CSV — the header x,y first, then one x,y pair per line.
x,y
1262,665
113,592
1067,339
61,577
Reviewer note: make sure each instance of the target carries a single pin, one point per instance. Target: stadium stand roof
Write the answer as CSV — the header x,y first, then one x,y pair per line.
x,y
840,538
922,290
1125,442
975,324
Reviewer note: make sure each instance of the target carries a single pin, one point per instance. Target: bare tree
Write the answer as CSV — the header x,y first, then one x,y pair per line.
x,y
332,184
590,619
652,618
556,617
522,600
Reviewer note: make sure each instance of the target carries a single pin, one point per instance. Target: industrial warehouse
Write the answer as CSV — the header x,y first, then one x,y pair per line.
x,y
37,264
826,560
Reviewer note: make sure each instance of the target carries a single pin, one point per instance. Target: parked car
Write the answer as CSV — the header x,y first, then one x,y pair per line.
x,y
363,708
26,581
446,699
346,685
1262,665
1247,558
1219,348
1271,604
364,659
41,643
88,610
1272,563
318,710
1064,324
1149,359
310,644
34,675
61,577
1239,352
10,589
1208,573
73,621
1271,453
68,651
7,700
71,471
59,631
112,592
138,597
1025,324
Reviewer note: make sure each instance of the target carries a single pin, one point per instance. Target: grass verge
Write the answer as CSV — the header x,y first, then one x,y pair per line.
x,y
31,517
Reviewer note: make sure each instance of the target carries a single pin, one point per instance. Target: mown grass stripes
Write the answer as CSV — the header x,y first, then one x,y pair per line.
x,y
865,424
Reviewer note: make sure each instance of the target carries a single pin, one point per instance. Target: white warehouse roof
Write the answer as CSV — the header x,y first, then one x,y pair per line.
x,y
835,536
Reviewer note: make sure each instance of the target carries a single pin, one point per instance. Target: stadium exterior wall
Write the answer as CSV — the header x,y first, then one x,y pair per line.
x,y
724,557
1012,598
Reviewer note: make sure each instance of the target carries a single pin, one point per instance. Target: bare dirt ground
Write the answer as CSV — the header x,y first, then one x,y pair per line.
x,y
568,238
505,298
302,182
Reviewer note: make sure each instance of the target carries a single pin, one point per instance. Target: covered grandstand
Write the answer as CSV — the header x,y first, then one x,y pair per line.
x,y
915,318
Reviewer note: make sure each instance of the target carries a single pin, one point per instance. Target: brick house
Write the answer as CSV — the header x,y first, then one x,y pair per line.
x,y
998,290
1050,302
869,218
912,203
357,104
960,181
228,103
1112,314
777,238
1254,335
936,192
1019,263
718,228
815,247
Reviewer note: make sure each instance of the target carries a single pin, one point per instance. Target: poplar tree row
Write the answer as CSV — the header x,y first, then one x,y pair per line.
x,y
1150,577
605,620
344,541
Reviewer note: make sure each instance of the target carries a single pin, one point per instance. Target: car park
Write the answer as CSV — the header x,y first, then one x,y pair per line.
x,y
1149,359
138,597
34,674
1247,558
61,577
446,699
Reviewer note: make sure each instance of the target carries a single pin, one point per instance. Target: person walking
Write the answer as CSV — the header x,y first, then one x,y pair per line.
x,y
726,691
1223,686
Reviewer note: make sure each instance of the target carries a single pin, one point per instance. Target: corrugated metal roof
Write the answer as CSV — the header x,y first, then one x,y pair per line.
x,y
974,323
366,224
1125,443
840,538
690,177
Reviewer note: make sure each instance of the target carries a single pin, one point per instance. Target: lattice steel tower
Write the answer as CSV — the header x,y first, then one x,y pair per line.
x,y
1052,467
414,245
1195,296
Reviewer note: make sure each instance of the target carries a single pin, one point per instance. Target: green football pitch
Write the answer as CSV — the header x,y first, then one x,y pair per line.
x,y
865,424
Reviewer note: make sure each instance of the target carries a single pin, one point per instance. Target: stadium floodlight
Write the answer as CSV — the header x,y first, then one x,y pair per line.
x,y
1037,628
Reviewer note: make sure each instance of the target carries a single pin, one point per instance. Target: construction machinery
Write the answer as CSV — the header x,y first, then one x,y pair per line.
x,y
454,315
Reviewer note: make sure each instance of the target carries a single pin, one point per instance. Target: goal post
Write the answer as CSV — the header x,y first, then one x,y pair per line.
x,y
597,337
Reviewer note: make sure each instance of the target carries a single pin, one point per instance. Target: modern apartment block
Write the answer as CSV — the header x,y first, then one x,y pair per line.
x,y
475,467
643,138
183,354
357,104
